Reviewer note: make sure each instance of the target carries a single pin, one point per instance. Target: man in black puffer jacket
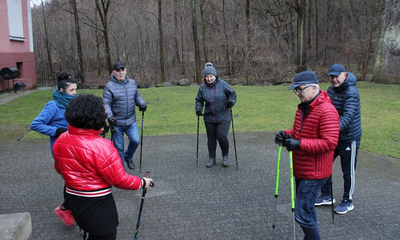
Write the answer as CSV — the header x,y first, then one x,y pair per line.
x,y
346,100
120,97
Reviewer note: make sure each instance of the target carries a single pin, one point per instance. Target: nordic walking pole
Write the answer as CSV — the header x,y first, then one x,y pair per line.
x,y
197,151
234,141
277,183
292,193
141,144
141,206
333,215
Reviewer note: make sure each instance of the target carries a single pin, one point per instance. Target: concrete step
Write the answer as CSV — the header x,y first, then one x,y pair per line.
x,y
15,226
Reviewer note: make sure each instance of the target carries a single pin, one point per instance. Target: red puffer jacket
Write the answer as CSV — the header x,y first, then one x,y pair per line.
x,y
88,162
319,134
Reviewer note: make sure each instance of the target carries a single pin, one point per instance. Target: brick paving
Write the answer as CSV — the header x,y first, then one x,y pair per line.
x,y
190,202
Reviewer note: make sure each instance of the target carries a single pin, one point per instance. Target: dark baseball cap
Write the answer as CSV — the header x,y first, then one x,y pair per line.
x,y
336,70
117,65
306,77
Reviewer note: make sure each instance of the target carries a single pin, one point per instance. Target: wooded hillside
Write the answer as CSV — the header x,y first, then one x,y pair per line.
x,y
249,41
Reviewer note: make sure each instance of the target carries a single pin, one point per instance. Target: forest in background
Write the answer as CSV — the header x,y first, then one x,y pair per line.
x,y
249,41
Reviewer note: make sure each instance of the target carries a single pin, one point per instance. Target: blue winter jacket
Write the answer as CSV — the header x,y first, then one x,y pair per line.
x,y
120,99
215,96
346,100
48,120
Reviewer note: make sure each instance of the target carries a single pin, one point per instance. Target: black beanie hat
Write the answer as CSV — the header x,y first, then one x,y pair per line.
x,y
209,70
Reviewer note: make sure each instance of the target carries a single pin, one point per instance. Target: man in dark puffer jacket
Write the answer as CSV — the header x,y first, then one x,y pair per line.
x,y
120,97
346,100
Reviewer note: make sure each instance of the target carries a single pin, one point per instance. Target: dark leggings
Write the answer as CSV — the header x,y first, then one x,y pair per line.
x,y
217,131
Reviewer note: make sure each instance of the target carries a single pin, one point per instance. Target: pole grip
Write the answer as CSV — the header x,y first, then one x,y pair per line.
x,y
147,176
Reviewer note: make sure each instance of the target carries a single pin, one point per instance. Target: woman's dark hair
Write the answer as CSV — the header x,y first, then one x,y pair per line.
x,y
64,80
62,76
86,111
65,83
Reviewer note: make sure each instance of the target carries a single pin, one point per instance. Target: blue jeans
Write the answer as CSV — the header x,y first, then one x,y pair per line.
x,y
305,214
118,138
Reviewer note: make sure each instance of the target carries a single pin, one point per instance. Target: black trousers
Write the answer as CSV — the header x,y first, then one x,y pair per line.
x,y
217,131
96,215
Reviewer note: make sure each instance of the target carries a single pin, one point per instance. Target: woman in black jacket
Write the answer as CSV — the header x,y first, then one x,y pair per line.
x,y
218,97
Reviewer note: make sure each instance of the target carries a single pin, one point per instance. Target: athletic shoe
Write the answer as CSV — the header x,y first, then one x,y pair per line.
x,y
323,200
344,207
225,161
211,163
65,216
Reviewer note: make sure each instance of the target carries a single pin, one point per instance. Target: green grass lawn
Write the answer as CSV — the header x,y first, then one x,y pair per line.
x,y
171,111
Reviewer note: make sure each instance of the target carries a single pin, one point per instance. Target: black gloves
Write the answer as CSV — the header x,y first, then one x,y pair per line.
x,y
198,112
292,144
280,138
112,122
59,131
229,104
105,130
143,107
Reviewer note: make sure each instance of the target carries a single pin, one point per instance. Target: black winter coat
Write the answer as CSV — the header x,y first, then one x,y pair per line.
x,y
215,96
346,100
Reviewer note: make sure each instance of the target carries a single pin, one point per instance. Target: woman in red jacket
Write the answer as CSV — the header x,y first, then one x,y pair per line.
x,y
90,165
312,139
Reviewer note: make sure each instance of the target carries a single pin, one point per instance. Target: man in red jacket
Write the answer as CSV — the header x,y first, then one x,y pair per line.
x,y
312,139
90,165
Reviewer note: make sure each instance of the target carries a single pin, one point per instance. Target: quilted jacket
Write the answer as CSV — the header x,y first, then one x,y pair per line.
x,y
120,99
319,133
346,100
88,162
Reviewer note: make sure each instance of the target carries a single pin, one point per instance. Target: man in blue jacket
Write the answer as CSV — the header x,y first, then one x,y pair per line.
x,y
120,97
346,100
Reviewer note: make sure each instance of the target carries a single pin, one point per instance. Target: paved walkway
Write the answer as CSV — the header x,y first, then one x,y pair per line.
x,y
190,202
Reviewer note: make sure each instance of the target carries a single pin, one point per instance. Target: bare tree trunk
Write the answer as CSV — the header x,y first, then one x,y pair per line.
x,y
309,31
316,31
371,28
176,47
328,9
198,77
377,75
203,30
161,43
248,46
183,62
78,42
301,36
228,64
49,58
103,13
98,43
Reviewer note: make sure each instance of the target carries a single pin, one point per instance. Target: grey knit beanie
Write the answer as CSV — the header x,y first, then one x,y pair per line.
x,y
209,70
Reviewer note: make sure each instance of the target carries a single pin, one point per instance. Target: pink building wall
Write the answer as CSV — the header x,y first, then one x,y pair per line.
x,y
15,53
